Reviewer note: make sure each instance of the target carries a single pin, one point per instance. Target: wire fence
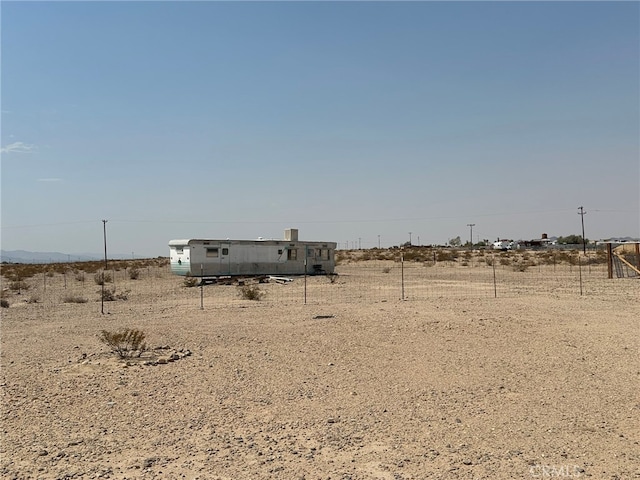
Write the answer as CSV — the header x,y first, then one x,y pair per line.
x,y
155,288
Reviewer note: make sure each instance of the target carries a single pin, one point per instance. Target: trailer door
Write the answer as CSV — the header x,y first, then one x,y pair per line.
x,y
225,258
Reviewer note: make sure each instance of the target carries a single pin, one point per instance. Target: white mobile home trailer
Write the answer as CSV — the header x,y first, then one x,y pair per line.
x,y
219,258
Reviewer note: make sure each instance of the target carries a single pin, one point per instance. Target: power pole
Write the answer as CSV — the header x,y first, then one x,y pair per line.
x,y
582,213
410,238
471,225
104,232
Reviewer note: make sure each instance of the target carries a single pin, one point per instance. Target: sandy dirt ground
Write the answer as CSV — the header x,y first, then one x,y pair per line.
x,y
526,387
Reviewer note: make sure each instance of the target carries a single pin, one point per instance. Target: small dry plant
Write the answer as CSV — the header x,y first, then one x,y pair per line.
x,y
190,281
251,292
110,295
18,286
125,343
134,274
102,277
4,303
70,298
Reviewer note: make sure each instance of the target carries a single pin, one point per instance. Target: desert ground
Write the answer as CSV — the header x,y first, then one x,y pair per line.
x,y
536,382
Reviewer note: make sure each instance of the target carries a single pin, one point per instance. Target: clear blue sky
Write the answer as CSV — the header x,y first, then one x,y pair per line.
x,y
347,120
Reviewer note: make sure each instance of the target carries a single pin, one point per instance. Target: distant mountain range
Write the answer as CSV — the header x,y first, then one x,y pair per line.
x,y
23,256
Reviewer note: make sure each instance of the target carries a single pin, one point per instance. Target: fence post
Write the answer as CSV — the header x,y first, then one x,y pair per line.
x,y
580,273
305,274
201,287
402,273
493,265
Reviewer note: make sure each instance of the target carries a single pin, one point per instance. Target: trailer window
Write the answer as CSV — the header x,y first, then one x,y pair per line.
x,y
225,251
212,253
179,250
292,254
325,254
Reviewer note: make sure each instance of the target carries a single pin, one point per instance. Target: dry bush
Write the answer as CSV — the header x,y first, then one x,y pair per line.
x,y
110,295
190,281
446,255
70,298
250,292
18,286
134,273
123,295
601,257
125,343
80,276
4,303
102,277
386,270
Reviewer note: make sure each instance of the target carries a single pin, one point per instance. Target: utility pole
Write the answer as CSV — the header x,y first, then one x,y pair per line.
x,y
410,238
378,242
471,225
582,213
104,233
104,230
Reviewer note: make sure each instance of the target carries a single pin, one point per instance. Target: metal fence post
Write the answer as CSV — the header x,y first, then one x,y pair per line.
x,y
402,273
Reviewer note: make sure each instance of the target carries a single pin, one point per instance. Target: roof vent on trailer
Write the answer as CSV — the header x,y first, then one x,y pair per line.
x,y
291,234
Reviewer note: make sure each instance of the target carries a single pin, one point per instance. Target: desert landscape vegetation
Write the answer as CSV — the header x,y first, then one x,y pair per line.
x,y
408,364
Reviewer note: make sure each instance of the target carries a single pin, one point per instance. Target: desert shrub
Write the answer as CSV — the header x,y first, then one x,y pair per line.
x,y
505,261
110,295
251,292
386,270
547,258
18,286
125,343
102,277
489,261
70,298
107,295
520,267
50,273
414,255
123,295
446,255
4,303
190,281
366,255
134,274
332,277
601,257
80,276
